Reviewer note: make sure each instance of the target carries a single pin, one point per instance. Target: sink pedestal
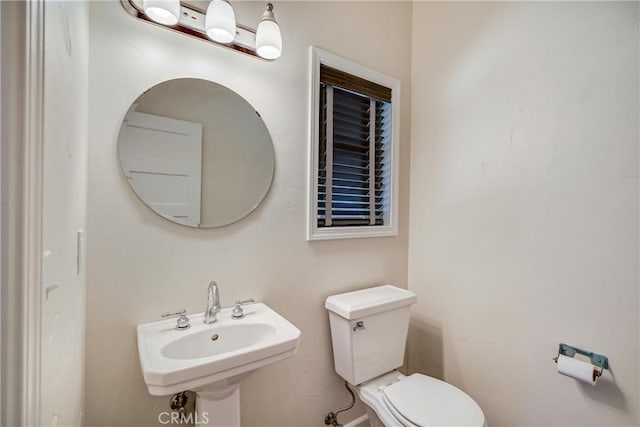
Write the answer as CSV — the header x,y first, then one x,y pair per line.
x,y
219,403
218,411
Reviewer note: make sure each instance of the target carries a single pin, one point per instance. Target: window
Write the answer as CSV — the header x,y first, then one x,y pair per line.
x,y
354,150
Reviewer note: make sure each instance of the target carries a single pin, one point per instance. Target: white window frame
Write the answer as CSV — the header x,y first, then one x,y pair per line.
x,y
390,228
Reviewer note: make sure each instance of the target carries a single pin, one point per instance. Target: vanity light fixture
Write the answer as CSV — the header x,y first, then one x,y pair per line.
x,y
165,12
220,21
217,24
268,37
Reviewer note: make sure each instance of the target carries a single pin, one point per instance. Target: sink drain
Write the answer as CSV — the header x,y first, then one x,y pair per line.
x,y
214,337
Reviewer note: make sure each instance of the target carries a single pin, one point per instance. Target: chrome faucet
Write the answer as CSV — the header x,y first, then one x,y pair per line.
x,y
213,303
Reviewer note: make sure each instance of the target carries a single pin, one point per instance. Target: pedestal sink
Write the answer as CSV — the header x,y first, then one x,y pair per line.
x,y
212,360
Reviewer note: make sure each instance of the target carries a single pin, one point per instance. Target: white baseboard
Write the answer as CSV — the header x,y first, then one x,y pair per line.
x,y
362,421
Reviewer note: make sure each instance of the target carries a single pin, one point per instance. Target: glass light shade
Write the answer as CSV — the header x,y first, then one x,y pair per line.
x,y
165,12
220,21
268,39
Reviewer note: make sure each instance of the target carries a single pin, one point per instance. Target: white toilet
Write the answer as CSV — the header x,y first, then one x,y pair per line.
x,y
369,332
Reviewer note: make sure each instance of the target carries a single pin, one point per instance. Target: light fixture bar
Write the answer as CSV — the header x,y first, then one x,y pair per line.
x,y
192,23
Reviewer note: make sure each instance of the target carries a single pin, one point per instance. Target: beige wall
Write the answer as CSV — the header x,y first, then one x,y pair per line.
x,y
64,211
140,264
524,204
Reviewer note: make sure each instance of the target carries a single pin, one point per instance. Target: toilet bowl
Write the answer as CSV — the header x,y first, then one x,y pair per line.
x,y
368,333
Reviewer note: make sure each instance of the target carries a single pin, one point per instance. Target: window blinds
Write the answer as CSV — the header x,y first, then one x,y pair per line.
x,y
354,160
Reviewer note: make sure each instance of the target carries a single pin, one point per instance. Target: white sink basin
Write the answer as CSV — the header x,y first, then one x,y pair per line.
x,y
218,340
204,355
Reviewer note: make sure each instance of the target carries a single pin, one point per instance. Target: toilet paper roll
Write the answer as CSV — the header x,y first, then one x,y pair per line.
x,y
578,369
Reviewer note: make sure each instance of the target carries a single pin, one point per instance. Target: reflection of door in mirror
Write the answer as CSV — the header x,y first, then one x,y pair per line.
x,y
209,181
162,158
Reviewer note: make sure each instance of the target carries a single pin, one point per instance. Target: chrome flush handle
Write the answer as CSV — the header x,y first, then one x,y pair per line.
x,y
359,326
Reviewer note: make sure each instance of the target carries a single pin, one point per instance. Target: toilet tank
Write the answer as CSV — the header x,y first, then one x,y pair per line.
x,y
369,331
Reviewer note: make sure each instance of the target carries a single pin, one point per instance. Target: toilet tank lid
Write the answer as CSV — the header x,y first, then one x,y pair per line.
x,y
365,302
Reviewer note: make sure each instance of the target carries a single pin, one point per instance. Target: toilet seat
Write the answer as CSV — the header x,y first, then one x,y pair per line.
x,y
420,401
397,415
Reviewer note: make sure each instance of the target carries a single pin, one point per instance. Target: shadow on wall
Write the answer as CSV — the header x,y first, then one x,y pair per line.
x,y
606,391
424,347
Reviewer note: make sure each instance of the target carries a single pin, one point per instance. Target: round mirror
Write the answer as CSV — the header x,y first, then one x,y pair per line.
x,y
196,153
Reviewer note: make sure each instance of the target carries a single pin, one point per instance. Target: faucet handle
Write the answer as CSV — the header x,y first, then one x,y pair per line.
x,y
237,310
173,313
183,320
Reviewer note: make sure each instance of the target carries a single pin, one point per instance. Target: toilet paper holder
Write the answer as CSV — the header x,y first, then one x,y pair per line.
x,y
598,360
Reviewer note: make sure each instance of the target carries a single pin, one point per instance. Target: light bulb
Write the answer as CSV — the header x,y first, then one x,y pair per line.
x,y
220,21
165,12
268,37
